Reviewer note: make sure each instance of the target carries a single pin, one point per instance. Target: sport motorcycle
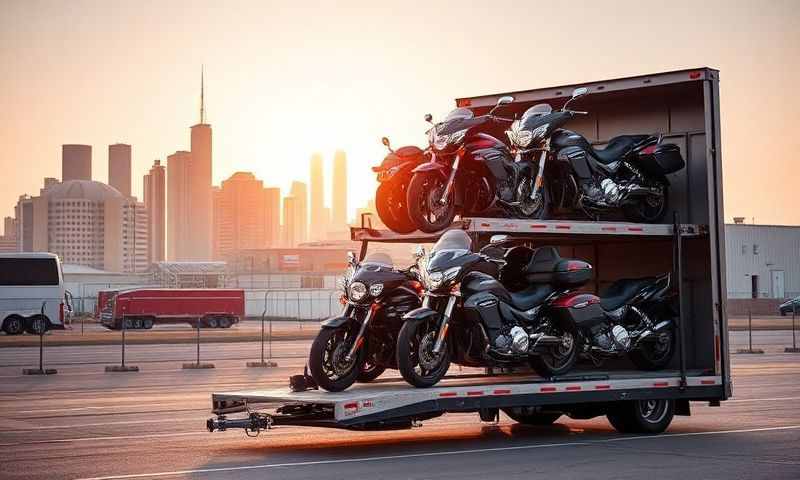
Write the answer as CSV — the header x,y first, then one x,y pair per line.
x,y
358,345
394,173
628,175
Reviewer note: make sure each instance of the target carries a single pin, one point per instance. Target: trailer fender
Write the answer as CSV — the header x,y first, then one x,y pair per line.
x,y
420,314
335,322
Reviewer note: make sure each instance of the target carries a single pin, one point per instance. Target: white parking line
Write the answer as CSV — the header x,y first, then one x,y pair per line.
x,y
437,454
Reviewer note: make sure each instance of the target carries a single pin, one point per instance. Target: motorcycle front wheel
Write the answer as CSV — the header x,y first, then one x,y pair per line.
x,y
327,360
417,362
559,359
425,206
390,202
369,371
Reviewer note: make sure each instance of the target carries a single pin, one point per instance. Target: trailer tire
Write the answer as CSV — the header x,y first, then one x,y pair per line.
x,y
531,416
14,325
224,322
147,323
642,416
36,324
211,322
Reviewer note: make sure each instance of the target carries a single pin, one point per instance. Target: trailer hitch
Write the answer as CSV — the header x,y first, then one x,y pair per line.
x,y
252,425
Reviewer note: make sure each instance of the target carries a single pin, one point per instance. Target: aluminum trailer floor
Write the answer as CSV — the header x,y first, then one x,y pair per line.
x,y
385,403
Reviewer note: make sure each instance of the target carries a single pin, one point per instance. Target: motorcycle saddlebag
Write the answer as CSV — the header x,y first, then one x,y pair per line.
x,y
572,273
577,309
661,159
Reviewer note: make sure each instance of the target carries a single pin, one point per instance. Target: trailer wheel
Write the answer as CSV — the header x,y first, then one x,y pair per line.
x,y
13,325
36,325
147,323
642,416
225,322
211,322
531,416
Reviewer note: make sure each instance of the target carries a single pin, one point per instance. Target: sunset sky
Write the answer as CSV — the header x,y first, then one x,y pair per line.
x,y
286,79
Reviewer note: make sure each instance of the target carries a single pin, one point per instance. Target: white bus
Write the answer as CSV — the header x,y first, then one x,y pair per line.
x,y
32,294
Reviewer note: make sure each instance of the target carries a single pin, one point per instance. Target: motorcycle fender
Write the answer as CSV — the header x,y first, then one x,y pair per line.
x,y
432,167
420,314
335,322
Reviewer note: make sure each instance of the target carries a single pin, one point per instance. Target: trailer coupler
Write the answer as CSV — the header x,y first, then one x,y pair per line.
x,y
252,425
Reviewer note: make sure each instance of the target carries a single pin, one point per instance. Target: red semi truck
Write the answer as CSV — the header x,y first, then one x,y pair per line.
x,y
145,307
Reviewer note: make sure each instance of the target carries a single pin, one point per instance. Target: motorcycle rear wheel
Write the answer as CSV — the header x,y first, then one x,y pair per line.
x,y
424,192
655,354
392,207
644,211
559,360
416,361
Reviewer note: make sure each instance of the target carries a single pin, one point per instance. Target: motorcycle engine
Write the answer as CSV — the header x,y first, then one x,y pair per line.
x,y
614,339
513,340
607,194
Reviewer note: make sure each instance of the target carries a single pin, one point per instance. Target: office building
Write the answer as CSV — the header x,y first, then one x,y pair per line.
x,y
85,223
239,215
319,223
289,228
200,193
155,200
76,162
178,221
272,212
299,192
119,168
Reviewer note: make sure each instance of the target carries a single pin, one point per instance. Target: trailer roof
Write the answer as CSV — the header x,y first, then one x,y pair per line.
x,y
602,86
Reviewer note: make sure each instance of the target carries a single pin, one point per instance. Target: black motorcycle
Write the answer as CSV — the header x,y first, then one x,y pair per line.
x,y
629,174
470,318
394,174
359,344
633,317
471,172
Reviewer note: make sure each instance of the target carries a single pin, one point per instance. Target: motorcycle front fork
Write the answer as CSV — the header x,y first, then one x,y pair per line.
x,y
450,180
441,335
360,337
537,184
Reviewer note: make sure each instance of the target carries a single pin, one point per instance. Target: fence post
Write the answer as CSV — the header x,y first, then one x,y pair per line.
x,y
749,348
122,367
197,364
793,348
265,363
40,325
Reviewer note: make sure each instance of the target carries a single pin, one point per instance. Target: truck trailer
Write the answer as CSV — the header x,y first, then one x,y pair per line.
x,y
142,308
683,106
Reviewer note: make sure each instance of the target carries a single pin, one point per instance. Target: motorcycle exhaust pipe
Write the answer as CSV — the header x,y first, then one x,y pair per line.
x,y
541,340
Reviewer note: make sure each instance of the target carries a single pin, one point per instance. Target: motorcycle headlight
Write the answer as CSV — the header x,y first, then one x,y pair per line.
x,y
440,142
523,138
357,291
375,289
437,280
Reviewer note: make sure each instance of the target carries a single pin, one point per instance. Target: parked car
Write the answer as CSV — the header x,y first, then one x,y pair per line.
x,y
792,304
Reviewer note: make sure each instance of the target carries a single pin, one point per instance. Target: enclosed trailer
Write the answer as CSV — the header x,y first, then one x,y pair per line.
x,y
683,106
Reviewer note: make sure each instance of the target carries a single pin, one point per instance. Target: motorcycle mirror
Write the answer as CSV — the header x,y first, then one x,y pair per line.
x,y
505,100
429,118
419,252
351,257
579,92
386,143
498,239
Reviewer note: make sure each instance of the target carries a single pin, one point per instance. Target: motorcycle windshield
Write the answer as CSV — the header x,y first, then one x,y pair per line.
x,y
379,258
457,120
453,240
536,111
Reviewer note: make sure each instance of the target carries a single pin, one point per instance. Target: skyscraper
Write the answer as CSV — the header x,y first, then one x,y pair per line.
x,y
178,224
200,198
155,205
319,222
119,168
76,162
272,213
339,203
240,215
300,194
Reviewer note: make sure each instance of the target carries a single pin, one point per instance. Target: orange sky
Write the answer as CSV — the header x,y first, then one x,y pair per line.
x,y
285,79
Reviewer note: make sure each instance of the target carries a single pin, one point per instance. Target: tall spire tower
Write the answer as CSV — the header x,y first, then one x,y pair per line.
x,y
202,96
200,191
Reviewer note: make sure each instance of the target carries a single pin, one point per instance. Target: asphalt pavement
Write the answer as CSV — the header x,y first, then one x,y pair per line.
x,y
84,423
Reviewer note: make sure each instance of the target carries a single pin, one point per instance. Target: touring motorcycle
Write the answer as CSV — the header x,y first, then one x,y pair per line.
x,y
358,344
394,174
470,172
529,315
629,174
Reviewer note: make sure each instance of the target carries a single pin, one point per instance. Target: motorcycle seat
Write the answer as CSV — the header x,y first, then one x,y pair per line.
x,y
620,292
530,296
617,147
